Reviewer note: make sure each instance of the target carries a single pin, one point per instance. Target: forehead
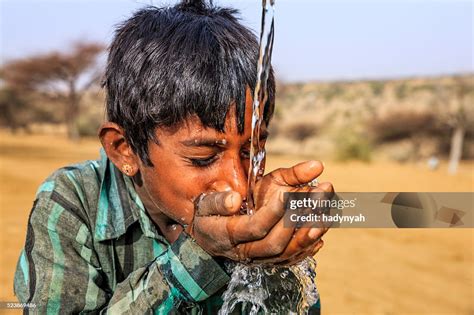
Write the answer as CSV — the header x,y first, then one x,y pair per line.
x,y
192,126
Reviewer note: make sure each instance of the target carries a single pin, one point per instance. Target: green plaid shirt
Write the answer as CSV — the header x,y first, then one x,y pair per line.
x,y
91,247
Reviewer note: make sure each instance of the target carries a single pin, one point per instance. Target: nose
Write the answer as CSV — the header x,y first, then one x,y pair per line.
x,y
236,175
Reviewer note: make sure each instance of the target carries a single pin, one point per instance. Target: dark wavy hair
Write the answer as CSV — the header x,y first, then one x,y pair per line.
x,y
166,64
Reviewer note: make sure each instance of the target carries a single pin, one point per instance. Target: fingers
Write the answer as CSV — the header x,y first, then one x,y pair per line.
x,y
317,247
305,242
302,255
299,174
303,238
323,191
232,230
259,240
326,187
222,232
219,203
211,233
245,228
273,244
306,253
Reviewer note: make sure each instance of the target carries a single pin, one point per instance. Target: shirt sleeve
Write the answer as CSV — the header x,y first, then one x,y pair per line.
x,y
183,272
59,272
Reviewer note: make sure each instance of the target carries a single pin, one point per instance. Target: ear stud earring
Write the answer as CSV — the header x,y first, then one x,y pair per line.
x,y
127,169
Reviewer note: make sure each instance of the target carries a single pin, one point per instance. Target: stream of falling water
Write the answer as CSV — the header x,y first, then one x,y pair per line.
x,y
263,289
260,97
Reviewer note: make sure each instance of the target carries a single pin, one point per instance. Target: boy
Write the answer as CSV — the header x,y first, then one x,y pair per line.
x,y
144,229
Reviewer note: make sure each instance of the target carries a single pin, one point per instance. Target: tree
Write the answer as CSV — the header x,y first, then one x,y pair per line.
x,y
458,115
11,103
400,124
64,76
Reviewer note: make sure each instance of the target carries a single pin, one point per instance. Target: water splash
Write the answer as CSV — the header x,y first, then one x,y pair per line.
x,y
271,290
255,288
305,271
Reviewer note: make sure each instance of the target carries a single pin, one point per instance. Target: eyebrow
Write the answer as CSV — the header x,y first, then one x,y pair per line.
x,y
212,142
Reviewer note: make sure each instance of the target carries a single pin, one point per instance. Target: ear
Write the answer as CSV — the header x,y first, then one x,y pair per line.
x,y
112,137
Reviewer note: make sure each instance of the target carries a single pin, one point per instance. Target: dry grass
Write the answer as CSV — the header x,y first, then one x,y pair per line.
x,y
376,271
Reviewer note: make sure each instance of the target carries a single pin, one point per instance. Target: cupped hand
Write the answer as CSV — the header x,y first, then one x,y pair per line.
x,y
220,229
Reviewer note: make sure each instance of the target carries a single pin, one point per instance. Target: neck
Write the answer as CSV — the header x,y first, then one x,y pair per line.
x,y
168,227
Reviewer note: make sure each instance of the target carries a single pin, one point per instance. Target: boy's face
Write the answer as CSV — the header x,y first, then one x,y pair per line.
x,y
192,159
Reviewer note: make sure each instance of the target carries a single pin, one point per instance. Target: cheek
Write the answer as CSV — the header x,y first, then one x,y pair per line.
x,y
176,191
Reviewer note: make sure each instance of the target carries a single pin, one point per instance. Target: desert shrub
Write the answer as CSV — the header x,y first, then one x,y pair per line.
x,y
377,87
275,127
332,91
401,91
350,145
428,87
301,131
401,124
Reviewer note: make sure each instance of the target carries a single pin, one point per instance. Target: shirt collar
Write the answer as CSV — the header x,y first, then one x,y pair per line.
x,y
119,205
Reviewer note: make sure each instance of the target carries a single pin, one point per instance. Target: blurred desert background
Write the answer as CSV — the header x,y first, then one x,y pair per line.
x,y
412,132
361,271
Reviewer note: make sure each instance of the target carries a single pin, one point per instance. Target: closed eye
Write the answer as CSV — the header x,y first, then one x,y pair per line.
x,y
203,162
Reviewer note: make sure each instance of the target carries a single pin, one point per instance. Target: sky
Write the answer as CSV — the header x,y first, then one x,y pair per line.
x,y
314,39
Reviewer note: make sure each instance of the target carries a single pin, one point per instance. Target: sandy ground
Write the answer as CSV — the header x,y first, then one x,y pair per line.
x,y
370,271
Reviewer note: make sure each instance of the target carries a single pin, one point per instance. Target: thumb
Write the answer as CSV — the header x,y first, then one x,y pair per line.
x,y
299,174
218,203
